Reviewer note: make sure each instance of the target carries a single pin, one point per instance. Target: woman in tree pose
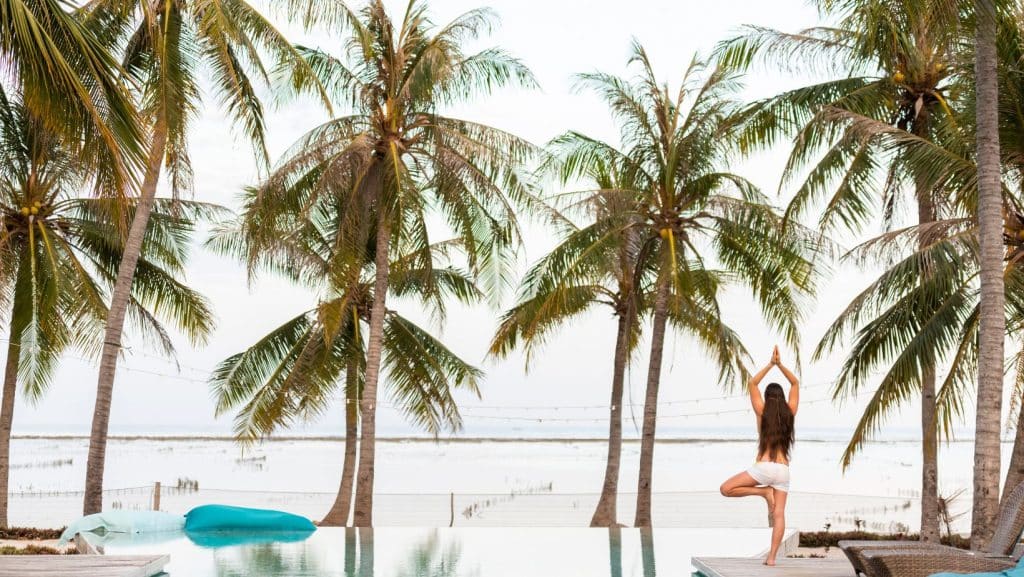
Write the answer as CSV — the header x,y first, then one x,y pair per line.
x,y
769,477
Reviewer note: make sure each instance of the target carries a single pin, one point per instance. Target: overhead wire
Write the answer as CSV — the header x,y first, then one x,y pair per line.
x,y
469,411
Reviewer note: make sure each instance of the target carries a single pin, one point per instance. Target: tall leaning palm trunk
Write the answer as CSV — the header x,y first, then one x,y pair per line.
x,y
606,512
929,422
992,322
643,489
363,515
120,297
338,515
929,430
10,391
7,420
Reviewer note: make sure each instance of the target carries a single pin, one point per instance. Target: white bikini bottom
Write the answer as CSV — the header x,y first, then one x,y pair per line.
x,y
769,474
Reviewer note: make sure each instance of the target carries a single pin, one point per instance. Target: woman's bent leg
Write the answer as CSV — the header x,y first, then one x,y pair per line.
x,y
778,524
743,485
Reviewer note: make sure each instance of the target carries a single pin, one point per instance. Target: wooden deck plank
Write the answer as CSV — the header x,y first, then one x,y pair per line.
x,y
82,565
753,567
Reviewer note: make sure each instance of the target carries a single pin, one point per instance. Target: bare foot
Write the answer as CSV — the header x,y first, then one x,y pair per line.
x,y
769,562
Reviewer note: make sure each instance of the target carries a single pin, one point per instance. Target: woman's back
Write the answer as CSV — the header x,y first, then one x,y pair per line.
x,y
775,427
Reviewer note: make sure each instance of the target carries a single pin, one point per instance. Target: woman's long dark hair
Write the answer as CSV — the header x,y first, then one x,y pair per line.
x,y
776,424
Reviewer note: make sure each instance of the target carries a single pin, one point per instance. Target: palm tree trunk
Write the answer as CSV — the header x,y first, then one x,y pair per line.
x,y
643,491
7,420
1015,474
992,322
363,516
929,430
338,515
606,515
115,322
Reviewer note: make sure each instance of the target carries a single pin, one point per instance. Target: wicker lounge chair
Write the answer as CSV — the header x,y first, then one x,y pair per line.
x,y
925,562
1009,526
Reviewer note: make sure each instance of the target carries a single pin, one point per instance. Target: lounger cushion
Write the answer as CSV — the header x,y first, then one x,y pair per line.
x,y
227,518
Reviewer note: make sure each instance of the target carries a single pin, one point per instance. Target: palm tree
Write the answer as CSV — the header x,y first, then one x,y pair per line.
x,y
295,371
69,81
58,252
685,209
914,324
395,160
165,44
902,308
892,62
594,265
991,323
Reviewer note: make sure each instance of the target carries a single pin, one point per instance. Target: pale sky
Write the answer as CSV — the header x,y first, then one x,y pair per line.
x,y
556,39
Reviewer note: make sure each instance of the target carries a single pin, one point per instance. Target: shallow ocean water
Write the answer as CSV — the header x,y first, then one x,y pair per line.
x,y
485,483
425,467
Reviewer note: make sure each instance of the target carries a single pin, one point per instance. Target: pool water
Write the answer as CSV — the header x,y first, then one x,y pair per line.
x,y
459,552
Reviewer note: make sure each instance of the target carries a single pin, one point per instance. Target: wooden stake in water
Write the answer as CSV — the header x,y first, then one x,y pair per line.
x,y
156,496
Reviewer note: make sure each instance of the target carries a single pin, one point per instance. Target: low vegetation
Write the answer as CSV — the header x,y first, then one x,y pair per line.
x,y
29,534
35,550
832,538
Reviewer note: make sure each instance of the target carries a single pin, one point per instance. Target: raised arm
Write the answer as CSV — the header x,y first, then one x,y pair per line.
x,y
794,387
755,393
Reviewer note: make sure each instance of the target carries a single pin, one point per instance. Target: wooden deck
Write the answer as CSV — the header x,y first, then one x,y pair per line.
x,y
753,567
81,565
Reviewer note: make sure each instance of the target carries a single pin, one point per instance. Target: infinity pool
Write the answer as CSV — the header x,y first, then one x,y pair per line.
x,y
461,552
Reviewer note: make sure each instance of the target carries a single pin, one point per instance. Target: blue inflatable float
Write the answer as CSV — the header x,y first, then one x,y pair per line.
x,y
227,518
